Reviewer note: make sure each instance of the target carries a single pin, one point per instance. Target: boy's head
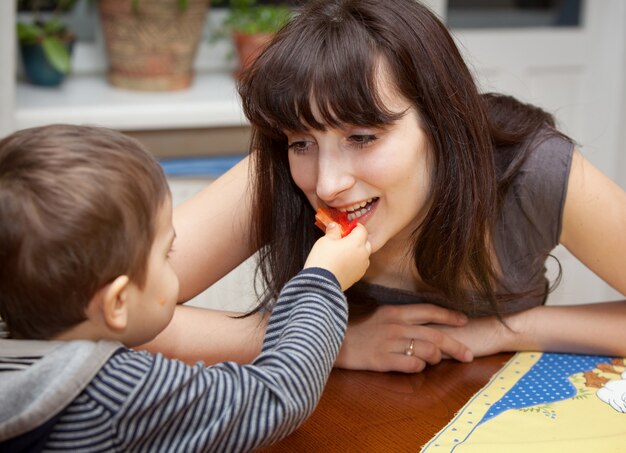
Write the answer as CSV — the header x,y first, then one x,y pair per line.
x,y
84,214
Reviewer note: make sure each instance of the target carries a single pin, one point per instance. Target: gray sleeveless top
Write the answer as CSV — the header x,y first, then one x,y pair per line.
x,y
527,230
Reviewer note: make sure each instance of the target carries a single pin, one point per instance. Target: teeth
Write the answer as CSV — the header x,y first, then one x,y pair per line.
x,y
356,206
355,214
356,210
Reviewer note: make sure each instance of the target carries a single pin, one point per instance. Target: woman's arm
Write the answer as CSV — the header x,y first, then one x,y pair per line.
x,y
594,231
212,232
582,329
594,223
198,334
596,328
212,238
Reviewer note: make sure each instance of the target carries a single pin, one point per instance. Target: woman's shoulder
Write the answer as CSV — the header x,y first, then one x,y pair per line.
x,y
549,157
532,210
540,185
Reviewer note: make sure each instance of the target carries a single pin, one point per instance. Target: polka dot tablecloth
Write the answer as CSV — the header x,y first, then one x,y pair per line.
x,y
533,404
546,382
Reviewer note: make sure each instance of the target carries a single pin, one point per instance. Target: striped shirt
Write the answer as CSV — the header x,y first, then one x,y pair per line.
x,y
142,402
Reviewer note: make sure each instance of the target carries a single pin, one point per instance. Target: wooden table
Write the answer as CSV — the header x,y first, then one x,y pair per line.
x,y
364,411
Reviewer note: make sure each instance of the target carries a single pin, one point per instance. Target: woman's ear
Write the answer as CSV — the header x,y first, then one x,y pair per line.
x,y
115,304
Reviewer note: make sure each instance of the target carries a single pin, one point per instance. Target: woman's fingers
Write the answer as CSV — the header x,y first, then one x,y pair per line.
x,y
402,364
412,321
398,355
403,338
400,348
430,345
422,314
445,344
418,348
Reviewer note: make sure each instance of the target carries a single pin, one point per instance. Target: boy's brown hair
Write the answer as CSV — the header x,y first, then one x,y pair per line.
x,y
78,208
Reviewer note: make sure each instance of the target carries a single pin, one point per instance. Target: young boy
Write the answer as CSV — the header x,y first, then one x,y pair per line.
x,y
85,232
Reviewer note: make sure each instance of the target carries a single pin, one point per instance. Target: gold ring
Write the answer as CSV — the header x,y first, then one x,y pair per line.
x,y
409,350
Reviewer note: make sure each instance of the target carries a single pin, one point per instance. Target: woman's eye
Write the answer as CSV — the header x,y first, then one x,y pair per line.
x,y
298,147
362,140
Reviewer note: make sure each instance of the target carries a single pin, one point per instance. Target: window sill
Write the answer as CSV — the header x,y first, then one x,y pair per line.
x,y
211,101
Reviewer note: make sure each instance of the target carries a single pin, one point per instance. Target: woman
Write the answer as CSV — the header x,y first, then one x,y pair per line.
x,y
367,107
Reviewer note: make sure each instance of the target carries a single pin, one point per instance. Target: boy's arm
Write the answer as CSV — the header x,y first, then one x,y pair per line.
x,y
241,407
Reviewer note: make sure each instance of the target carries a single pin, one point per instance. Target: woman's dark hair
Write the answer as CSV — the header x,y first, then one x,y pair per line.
x,y
329,53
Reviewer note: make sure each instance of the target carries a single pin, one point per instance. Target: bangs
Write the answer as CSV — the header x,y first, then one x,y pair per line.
x,y
327,79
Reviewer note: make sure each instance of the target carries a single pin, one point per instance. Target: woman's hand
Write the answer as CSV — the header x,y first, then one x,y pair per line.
x,y
483,336
379,341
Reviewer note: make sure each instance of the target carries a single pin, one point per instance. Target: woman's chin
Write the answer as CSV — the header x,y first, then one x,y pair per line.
x,y
376,244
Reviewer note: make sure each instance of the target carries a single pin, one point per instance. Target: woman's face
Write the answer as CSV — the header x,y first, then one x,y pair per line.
x,y
380,176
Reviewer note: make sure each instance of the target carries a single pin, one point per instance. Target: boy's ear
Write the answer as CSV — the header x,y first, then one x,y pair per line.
x,y
115,304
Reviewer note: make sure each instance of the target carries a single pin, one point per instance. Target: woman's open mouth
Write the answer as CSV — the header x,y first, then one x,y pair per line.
x,y
359,209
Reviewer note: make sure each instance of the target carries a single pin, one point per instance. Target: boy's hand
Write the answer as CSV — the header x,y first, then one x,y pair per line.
x,y
346,258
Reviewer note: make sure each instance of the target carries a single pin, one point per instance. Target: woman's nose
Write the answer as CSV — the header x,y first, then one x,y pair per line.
x,y
334,176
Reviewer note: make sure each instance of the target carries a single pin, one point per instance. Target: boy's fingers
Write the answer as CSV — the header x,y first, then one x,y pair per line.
x,y
333,230
360,229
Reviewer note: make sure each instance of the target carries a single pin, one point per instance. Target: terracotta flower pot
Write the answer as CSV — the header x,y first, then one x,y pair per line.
x,y
249,47
153,47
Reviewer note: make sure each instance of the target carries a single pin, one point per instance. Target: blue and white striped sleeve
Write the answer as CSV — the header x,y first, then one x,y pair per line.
x,y
159,404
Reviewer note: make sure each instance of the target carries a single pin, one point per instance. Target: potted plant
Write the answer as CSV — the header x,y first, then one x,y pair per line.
x,y
151,44
45,44
251,26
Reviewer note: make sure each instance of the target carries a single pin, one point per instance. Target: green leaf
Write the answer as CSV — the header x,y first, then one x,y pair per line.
x,y
182,4
246,17
53,27
57,54
28,32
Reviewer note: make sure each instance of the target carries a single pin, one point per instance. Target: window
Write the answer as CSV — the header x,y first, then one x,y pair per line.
x,y
514,13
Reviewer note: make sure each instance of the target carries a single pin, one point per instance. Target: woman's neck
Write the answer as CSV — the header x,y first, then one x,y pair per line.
x,y
392,267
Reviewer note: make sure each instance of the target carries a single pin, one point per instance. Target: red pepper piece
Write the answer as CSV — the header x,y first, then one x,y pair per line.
x,y
324,216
